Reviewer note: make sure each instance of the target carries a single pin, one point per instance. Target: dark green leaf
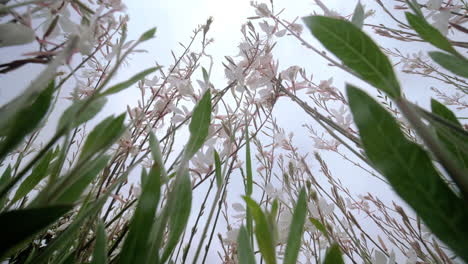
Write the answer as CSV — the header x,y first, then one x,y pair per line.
x,y
4,180
147,35
358,16
199,126
333,255
38,173
103,135
20,225
100,247
455,142
135,246
219,176
410,171
356,50
76,184
413,4
245,251
179,212
454,64
124,85
26,120
296,230
429,33
263,232
76,115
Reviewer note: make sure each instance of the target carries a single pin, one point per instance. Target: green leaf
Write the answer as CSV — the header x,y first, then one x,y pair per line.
x,y
357,51
4,180
75,184
199,126
319,226
135,249
100,247
248,164
429,33
245,251
219,176
333,255
358,16
124,85
454,64
38,173
179,212
453,140
296,229
157,156
206,77
22,224
410,171
103,135
413,4
76,115
263,231
26,120
147,35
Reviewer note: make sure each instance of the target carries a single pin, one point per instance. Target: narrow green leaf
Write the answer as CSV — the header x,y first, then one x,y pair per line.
x,y
333,255
4,180
26,120
199,126
124,85
135,249
76,115
410,171
20,225
454,64
429,33
38,173
245,251
296,229
157,156
103,135
206,77
453,141
413,4
358,15
219,176
179,212
248,164
320,227
147,35
356,50
76,184
100,247
263,232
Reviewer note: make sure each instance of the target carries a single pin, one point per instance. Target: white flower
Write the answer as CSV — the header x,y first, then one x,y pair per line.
x,y
15,34
441,21
290,73
273,192
262,10
322,208
231,236
434,4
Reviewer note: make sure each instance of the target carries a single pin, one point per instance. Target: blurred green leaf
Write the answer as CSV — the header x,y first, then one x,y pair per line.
x,y
429,33
100,246
333,255
157,156
38,173
454,64
410,171
358,15
245,251
26,120
147,35
218,173
103,135
199,126
248,164
22,224
296,229
357,51
413,4
206,77
124,85
76,115
263,232
74,185
456,143
319,226
135,248
4,180
179,212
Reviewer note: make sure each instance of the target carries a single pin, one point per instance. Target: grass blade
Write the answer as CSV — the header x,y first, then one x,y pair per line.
x,y
296,230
